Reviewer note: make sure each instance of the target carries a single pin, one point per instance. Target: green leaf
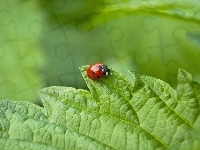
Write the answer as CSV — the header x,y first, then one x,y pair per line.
x,y
113,114
184,10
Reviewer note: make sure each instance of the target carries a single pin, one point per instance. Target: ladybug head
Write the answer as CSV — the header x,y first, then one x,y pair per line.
x,y
105,70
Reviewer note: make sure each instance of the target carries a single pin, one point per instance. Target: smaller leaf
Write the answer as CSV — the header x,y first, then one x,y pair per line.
x,y
188,92
162,89
110,96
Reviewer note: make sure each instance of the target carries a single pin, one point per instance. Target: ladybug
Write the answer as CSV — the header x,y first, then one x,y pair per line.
x,y
98,71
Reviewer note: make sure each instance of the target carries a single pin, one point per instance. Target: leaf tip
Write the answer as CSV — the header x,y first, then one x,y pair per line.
x,y
182,75
83,68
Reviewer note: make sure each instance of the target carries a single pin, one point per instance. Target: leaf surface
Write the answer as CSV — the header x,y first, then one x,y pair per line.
x,y
113,114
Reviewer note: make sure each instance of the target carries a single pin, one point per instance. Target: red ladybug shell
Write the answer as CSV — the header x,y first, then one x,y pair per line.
x,y
97,71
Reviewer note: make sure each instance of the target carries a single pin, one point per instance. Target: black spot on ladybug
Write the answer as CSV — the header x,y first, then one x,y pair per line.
x,y
98,77
93,72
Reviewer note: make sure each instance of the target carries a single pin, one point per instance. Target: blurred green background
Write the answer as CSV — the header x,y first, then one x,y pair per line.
x,y
42,43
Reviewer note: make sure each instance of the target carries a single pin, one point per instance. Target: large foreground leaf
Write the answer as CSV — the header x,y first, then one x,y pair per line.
x,y
113,115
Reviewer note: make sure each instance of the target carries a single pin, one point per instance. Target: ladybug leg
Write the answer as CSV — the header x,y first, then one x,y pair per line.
x,y
107,73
